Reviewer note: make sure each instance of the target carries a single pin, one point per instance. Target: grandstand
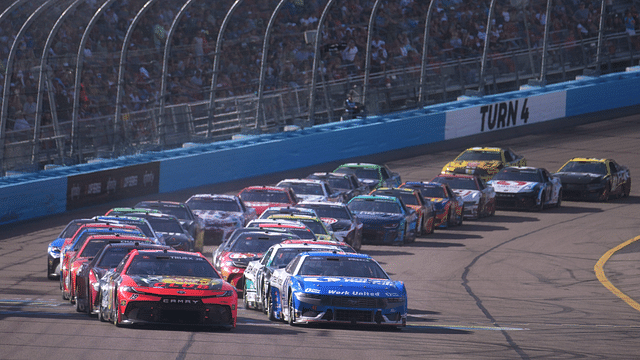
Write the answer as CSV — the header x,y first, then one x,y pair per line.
x,y
94,79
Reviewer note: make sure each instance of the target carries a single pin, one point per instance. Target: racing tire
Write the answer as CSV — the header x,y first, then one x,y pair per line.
x,y
432,225
244,297
605,193
493,209
541,206
461,218
101,312
357,244
116,316
50,272
77,306
627,188
269,307
292,317
559,202
420,226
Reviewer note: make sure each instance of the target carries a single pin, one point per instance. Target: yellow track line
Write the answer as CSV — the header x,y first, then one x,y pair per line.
x,y
599,269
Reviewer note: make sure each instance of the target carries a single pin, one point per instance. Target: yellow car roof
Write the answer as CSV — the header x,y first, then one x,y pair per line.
x,y
588,159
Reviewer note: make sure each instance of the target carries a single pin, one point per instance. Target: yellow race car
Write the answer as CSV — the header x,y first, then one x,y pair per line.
x,y
483,161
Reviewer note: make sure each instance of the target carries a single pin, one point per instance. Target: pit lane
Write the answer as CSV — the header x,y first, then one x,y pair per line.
x,y
517,285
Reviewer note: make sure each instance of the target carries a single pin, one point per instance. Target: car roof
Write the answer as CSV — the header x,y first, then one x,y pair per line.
x,y
377,197
214,197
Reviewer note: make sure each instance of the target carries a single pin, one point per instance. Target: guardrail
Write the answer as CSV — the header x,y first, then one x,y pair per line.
x,y
64,188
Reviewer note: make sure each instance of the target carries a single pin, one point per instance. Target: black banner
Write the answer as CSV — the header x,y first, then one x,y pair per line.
x,y
114,184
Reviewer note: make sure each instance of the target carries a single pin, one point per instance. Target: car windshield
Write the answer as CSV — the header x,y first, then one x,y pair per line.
x,y
518,175
95,245
361,173
407,198
284,256
388,207
270,196
255,243
335,212
479,155
585,167
303,188
457,183
288,211
302,233
171,265
166,225
112,256
431,191
339,183
142,225
214,204
341,266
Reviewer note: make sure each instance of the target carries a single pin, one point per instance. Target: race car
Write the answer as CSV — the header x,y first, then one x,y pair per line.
x,y
170,231
372,176
413,198
287,210
483,161
345,185
54,248
479,199
345,226
182,211
167,287
310,189
385,219
594,179
223,248
249,246
449,205
295,227
526,188
263,197
93,244
73,244
258,272
336,287
87,291
220,214
312,222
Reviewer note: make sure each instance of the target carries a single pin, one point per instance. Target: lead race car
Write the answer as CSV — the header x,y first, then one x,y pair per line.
x,y
336,287
526,188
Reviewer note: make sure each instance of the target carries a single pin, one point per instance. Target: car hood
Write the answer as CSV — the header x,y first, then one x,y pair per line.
x,y
468,195
217,215
367,216
475,164
579,178
506,186
350,286
177,282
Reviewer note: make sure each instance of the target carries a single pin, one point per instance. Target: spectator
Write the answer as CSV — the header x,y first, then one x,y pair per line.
x,y
29,110
20,122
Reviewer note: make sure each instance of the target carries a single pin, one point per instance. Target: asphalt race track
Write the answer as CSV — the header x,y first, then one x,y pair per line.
x,y
520,285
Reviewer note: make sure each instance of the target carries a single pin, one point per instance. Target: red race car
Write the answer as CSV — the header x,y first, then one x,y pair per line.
x,y
263,197
92,245
167,287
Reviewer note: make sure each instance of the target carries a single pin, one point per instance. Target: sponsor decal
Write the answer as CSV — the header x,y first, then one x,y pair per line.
x,y
181,301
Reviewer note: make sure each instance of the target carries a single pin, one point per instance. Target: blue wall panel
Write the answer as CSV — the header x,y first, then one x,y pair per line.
x,y
33,199
604,93
280,152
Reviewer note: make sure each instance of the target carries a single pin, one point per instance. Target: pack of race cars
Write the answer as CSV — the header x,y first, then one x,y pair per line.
x,y
291,250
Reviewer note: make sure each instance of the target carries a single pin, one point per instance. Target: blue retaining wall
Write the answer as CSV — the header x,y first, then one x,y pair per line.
x,y
28,196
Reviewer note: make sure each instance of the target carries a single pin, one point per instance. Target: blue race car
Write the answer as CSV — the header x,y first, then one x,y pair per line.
x,y
385,219
336,287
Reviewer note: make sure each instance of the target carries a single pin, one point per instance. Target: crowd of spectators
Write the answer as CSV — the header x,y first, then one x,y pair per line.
x,y
457,31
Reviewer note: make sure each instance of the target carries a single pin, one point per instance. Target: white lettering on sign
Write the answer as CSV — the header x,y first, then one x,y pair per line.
x,y
130,181
505,114
94,188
